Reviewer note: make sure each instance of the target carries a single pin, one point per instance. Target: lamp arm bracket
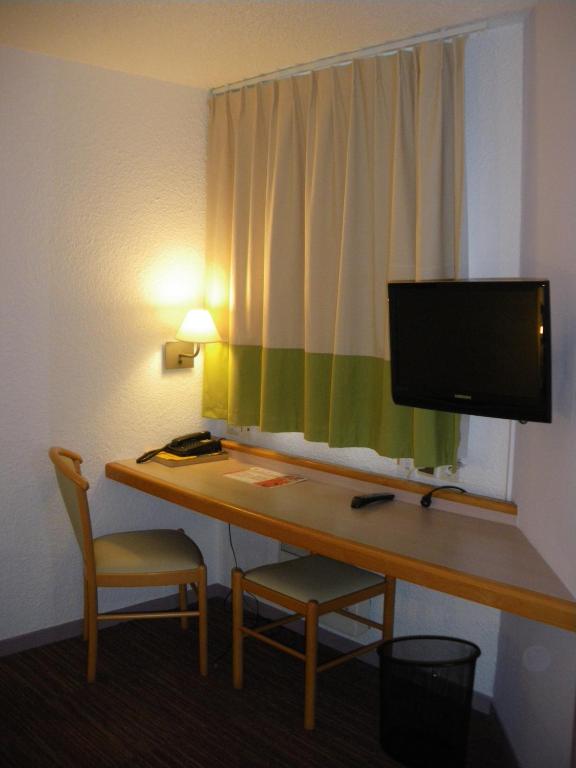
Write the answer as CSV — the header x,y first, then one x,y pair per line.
x,y
196,352
180,354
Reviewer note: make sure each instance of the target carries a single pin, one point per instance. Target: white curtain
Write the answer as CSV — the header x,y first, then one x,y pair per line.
x,y
322,188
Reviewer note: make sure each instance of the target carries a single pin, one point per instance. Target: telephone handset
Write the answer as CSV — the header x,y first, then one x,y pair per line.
x,y
182,446
194,444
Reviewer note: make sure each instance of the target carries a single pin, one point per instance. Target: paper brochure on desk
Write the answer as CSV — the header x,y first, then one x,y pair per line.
x,y
265,478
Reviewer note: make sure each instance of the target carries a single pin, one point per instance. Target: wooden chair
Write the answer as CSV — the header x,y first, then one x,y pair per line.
x,y
130,559
310,586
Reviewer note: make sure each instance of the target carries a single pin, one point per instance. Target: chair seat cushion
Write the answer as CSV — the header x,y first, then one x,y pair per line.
x,y
155,551
313,578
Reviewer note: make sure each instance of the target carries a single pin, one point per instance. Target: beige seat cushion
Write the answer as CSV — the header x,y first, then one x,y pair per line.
x,y
156,551
313,578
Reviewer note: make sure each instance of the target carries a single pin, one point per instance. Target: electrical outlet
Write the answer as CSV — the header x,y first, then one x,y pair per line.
x,y
233,429
406,466
342,625
450,473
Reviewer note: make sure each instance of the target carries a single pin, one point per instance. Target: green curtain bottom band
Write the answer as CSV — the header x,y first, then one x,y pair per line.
x,y
342,400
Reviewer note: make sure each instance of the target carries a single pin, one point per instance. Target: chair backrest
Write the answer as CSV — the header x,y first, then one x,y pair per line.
x,y
73,487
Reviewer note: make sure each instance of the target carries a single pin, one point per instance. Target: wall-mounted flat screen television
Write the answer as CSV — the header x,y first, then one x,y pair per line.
x,y
480,347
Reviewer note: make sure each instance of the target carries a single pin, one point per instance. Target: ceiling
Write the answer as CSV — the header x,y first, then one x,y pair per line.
x,y
205,44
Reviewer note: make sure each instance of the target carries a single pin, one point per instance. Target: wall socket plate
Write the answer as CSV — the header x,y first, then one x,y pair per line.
x,y
172,350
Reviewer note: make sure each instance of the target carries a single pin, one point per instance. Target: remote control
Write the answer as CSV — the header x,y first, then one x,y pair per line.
x,y
370,498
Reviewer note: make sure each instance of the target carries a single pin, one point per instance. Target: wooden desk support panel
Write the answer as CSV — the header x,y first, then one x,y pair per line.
x,y
483,561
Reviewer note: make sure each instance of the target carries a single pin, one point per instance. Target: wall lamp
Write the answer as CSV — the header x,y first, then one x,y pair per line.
x,y
197,328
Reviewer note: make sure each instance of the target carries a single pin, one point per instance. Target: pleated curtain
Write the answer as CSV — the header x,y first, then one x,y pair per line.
x,y
321,189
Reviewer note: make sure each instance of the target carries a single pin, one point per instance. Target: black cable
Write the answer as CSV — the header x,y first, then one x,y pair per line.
x,y
232,545
426,500
227,598
148,455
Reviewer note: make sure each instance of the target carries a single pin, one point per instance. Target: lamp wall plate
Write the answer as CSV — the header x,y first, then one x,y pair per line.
x,y
173,351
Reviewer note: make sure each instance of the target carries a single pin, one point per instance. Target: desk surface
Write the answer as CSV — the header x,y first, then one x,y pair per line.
x,y
483,561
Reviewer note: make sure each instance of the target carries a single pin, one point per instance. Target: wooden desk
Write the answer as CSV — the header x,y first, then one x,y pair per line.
x,y
487,562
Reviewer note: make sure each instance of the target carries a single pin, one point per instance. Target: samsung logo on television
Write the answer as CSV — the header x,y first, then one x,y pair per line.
x,y
463,397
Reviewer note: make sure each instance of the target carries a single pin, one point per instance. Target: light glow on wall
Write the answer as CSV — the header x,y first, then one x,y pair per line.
x,y
217,298
176,278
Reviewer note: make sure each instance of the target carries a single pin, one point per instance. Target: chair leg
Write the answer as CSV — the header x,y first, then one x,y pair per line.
x,y
86,618
92,612
183,603
237,635
311,664
389,602
202,622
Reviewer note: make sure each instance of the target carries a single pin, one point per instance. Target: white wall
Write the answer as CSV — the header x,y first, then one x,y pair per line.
x,y
493,109
534,691
549,239
102,222
537,704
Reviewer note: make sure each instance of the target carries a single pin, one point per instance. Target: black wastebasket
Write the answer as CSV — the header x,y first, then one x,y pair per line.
x,y
426,694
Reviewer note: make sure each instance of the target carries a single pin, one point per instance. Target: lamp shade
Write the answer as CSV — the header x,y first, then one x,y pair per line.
x,y
198,327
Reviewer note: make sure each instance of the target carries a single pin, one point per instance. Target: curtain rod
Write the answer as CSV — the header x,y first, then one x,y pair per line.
x,y
375,50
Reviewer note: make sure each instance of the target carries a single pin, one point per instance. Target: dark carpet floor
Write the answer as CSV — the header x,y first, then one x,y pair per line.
x,y
150,708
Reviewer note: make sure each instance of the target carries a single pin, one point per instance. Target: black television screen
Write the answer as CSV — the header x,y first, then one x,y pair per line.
x,y
472,346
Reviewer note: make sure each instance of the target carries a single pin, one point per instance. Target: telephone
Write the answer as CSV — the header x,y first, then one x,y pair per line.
x,y
194,444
